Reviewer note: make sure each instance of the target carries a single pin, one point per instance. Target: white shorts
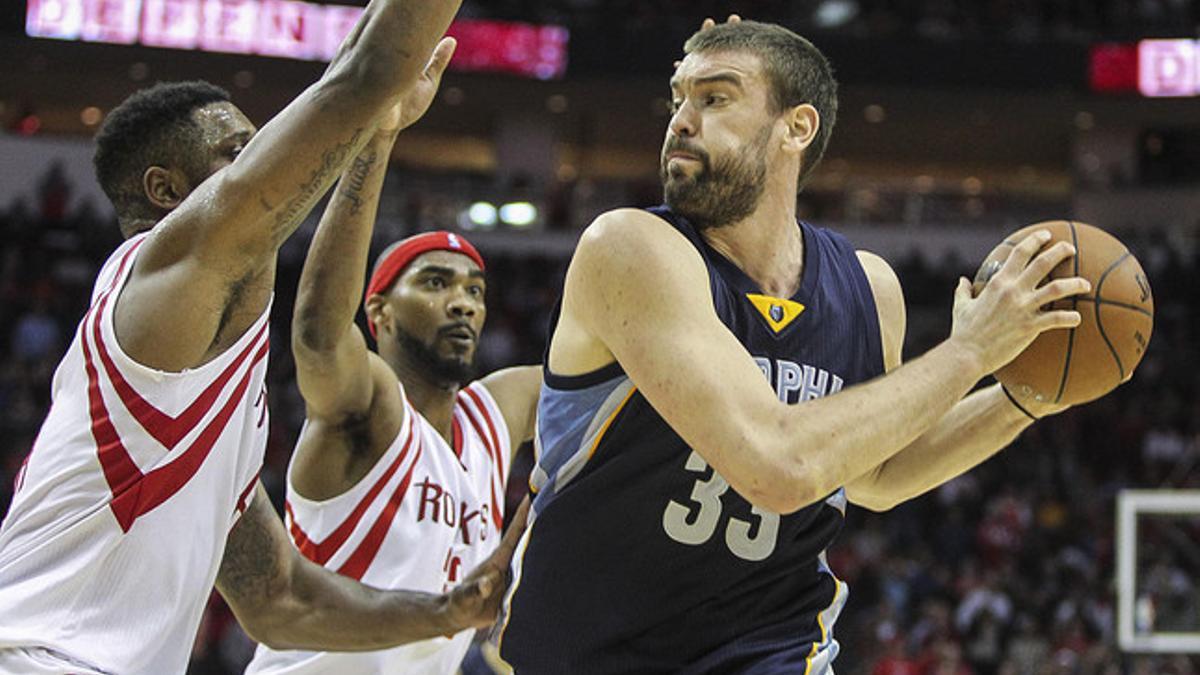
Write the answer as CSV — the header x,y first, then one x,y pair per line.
x,y
42,661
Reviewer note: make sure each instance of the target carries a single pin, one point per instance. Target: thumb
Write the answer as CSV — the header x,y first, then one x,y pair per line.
x,y
441,58
962,292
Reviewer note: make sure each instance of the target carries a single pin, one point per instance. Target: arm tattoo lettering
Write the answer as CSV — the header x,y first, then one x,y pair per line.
x,y
332,161
352,186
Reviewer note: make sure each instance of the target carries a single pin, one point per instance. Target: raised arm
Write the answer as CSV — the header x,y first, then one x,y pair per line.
x,y
637,291
976,428
347,389
285,601
198,262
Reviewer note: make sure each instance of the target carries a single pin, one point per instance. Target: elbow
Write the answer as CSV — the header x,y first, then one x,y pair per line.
x,y
872,502
267,628
788,486
310,335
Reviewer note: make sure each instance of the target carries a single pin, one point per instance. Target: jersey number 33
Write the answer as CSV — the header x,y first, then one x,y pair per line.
x,y
696,523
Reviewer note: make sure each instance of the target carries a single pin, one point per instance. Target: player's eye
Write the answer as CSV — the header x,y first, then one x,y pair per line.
x,y
436,283
476,291
675,105
715,99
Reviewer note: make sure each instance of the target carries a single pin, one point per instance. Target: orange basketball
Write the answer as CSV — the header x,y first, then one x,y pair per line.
x,y
1083,363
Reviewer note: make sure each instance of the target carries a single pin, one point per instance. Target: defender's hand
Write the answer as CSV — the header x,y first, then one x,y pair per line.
x,y
475,602
1007,315
415,103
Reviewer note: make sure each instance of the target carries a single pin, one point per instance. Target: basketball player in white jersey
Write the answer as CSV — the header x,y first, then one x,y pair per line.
x,y
142,483
398,477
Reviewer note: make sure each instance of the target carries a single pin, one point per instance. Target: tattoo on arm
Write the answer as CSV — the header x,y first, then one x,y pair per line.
x,y
252,568
352,186
332,161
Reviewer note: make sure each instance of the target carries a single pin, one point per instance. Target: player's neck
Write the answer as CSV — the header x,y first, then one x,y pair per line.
x,y
767,245
433,399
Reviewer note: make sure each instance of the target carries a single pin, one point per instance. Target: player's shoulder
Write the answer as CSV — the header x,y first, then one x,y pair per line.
x,y
879,273
632,237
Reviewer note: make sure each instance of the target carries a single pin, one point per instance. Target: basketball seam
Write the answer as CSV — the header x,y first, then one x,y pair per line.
x,y
1062,385
1116,303
1099,323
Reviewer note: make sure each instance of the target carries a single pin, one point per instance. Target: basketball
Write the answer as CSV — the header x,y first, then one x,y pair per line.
x,y
1083,363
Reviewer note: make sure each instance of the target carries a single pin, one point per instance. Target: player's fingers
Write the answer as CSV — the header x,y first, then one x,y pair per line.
x,y
516,527
733,18
962,292
441,58
708,23
1059,318
1046,261
1019,257
1060,289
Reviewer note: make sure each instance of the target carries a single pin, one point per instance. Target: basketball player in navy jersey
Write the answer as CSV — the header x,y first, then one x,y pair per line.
x,y
684,500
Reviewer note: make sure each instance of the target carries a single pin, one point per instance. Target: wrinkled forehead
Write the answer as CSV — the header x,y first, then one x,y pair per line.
x,y
222,120
737,66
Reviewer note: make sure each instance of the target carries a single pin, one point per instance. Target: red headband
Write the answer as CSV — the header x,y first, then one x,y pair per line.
x,y
393,265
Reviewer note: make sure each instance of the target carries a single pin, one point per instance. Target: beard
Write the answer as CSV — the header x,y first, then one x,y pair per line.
x,y
446,370
720,193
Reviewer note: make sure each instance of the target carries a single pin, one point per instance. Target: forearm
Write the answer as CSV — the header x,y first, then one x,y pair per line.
x,y
834,440
286,601
326,611
292,161
331,282
973,430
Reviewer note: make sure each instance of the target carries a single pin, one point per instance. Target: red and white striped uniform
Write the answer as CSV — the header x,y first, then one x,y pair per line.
x,y
112,544
421,519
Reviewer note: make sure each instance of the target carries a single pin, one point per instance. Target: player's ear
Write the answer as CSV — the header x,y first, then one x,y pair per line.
x,y
803,123
379,313
164,188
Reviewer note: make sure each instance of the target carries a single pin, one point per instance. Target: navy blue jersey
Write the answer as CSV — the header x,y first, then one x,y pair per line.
x,y
640,558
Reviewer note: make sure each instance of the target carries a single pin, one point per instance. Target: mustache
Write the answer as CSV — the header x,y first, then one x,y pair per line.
x,y
677,144
454,327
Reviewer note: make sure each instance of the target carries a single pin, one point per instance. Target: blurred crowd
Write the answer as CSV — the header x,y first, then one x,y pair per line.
x,y
1007,570
1014,20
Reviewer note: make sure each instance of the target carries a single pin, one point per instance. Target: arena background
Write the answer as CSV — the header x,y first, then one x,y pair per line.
x,y
960,121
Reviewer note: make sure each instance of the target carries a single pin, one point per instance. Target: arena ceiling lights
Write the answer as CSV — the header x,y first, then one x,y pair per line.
x,y
284,28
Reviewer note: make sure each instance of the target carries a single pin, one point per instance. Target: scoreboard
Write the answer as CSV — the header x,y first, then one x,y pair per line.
x,y
1152,68
283,28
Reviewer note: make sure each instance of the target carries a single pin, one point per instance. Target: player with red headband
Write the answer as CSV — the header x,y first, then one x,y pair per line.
x,y
398,476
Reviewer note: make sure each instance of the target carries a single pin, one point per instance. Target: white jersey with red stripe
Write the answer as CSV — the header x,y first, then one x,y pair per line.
x,y
422,518
116,531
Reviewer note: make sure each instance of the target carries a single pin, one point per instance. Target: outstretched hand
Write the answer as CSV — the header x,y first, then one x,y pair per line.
x,y
416,101
475,602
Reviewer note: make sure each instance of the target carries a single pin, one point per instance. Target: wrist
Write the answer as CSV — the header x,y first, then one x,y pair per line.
x,y
445,620
385,136
966,358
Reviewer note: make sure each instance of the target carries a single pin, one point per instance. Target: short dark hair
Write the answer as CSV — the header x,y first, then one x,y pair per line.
x,y
796,70
153,127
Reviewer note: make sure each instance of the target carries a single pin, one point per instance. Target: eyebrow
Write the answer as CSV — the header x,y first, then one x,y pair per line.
x,y
725,76
446,271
